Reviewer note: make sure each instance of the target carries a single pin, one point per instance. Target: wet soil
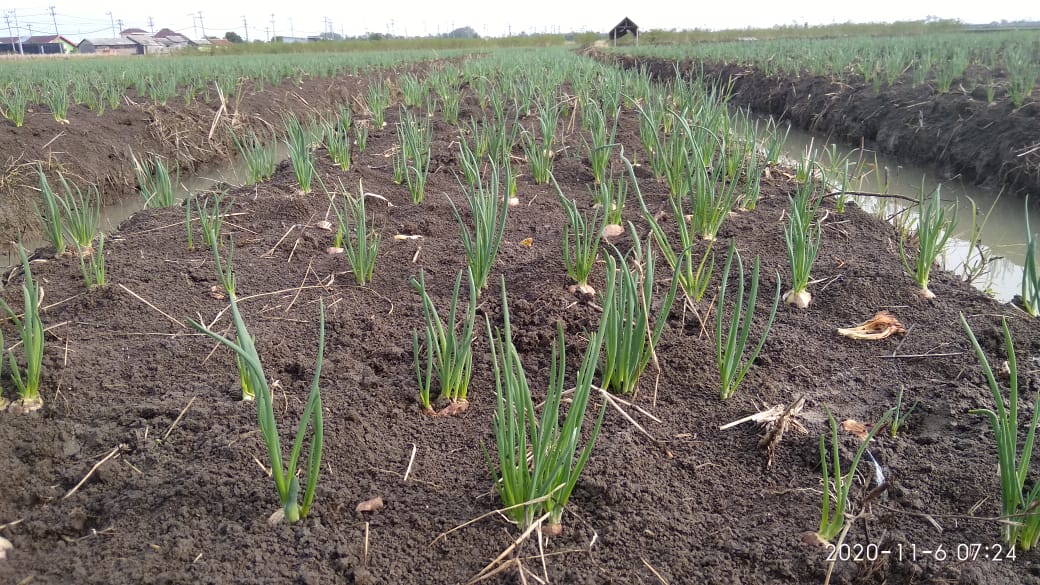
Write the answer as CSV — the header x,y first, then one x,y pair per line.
x,y
961,133
184,496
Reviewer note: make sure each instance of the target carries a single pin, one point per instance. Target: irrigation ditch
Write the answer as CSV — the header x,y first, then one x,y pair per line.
x,y
144,464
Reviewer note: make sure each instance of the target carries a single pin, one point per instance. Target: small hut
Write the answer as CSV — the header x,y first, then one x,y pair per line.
x,y
623,28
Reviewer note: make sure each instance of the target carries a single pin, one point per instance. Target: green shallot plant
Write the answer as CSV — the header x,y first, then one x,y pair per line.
x,y
50,218
899,415
693,276
601,142
629,333
361,136
540,153
92,262
14,102
415,136
30,327
210,220
82,214
935,225
377,100
300,154
539,460
157,187
976,261
489,212
285,477
581,237
1020,508
611,194
836,492
413,90
802,238
711,200
1030,272
362,247
258,156
449,355
56,96
469,160
337,143
731,342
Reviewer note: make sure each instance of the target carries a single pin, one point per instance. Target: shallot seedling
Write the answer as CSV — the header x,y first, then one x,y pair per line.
x,y
836,493
802,238
730,343
1030,272
489,212
629,333
935,225
449,355
581,238
1020,507
539,461
50,218
285,478
30,327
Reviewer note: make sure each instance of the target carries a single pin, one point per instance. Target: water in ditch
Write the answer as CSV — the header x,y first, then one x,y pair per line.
x,y
123,205
1002,238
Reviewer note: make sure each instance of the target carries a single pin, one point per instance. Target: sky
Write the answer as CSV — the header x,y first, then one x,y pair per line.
x,y
264,18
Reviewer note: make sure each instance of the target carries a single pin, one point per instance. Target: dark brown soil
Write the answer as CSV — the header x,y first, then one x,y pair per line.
x,y
186,499
960,132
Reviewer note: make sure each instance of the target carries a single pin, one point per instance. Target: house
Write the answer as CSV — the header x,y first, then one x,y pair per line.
x,y
148,45
110,46
622,28
166,33
37,45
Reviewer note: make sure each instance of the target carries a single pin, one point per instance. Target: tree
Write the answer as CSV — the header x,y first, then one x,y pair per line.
x,y
463,33
232,37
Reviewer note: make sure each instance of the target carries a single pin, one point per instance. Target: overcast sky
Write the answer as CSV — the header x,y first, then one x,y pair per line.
x,y
98,18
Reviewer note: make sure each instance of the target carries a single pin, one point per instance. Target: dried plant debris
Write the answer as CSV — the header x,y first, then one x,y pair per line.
x,y
882,325
776,421
775,428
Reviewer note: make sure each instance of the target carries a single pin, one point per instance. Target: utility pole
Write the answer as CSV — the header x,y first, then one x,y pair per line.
x,y
272,28
267,30
55,19
10,33
112,19
292,32
151,25
202,26
245,26
120,23
18,32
